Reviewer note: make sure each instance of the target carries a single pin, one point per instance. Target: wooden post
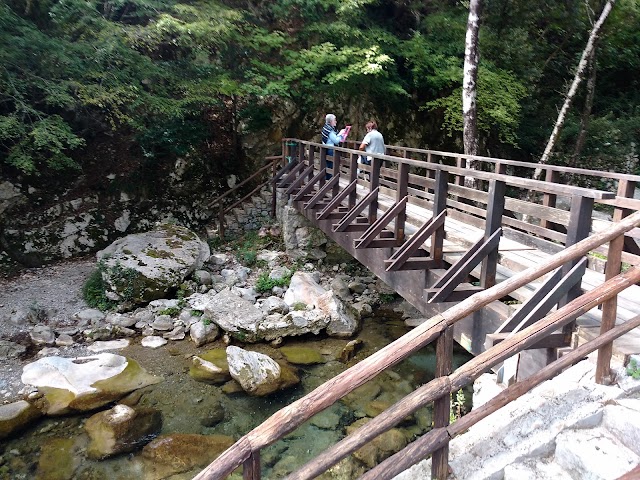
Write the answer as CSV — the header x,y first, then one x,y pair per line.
x,y
251,467
460,163
549,199
301,152
401,192
323,163
374,180
439,206
610,307
577,230
442,406
353,175
274,170
495,209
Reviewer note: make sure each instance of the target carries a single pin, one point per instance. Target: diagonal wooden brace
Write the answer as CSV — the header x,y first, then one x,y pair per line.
x,y
353,214
282,171
379,225
543,300
310,184
300,180
411,246
463,267
291,175
322,192
337,200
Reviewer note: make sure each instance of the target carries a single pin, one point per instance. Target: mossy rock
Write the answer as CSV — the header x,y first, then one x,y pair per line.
x,y
15,416
302,355
210,367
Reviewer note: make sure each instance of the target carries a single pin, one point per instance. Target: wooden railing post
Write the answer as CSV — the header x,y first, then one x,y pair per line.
x,y
439,205
374,181
442,406
401,192
323,164
577,230
460,163
251,467
495,209
610,307
353,175
549,199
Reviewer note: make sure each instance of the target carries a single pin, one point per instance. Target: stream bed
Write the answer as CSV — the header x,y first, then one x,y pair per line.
x,y
54,448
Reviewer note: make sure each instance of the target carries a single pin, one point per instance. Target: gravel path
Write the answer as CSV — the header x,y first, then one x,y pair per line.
x,y
48,295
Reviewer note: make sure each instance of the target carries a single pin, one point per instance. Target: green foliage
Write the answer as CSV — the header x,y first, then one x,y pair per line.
x,y
633,369
386,297
458,406
266,284
94,292
171,311
499,99
197,313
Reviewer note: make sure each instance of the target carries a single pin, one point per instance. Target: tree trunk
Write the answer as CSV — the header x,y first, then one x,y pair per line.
x,y
582,66
469,82
586,111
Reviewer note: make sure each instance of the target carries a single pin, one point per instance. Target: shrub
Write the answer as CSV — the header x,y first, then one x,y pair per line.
x,y
266,284
94,292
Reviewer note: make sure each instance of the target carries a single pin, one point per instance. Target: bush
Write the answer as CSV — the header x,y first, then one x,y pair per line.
x,y
94,292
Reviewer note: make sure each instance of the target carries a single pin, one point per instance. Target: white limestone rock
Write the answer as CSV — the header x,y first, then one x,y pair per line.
x,y
258,374
85,383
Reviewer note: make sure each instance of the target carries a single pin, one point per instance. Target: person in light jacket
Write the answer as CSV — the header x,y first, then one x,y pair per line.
x,y
330,136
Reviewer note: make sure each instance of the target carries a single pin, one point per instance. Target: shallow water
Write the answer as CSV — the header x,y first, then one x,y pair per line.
x,y
54,447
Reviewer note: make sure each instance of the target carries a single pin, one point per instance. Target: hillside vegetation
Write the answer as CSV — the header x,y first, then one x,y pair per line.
x,y
171,79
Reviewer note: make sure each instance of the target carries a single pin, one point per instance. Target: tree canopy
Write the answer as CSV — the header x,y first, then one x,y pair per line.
x,y
166,72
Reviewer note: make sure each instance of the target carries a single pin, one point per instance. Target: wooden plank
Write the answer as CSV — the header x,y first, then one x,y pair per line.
x,y
298,181
309,186
251,467
316,200
555,340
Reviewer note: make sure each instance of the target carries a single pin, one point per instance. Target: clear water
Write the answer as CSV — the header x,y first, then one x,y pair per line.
x,y
54,448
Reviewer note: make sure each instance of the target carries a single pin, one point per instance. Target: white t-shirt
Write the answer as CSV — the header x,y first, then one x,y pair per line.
x,y
374,142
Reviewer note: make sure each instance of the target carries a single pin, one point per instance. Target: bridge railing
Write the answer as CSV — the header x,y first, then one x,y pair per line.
x,y
532,212
246,451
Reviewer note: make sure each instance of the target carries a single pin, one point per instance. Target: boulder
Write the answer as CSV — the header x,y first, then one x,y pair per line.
x,y
176,453
121,429
303,288
302,355
143,267
202,332
259,374
15,416
341,323
210,367
84,383
235,315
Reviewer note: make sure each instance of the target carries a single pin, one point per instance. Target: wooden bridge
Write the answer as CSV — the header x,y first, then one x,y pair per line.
x,y
520,272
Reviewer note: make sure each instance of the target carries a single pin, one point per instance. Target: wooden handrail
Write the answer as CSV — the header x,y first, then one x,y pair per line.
x,y
465,375
272,161
538,185
293,415
436,438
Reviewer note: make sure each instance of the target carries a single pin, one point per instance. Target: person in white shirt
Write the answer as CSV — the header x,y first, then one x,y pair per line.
x,y
373,142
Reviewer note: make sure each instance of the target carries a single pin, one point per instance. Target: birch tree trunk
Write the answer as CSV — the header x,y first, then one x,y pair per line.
x,y
582,66
469,90
586,110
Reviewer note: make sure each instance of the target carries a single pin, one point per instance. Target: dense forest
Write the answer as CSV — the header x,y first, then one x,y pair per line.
x,y
93,86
